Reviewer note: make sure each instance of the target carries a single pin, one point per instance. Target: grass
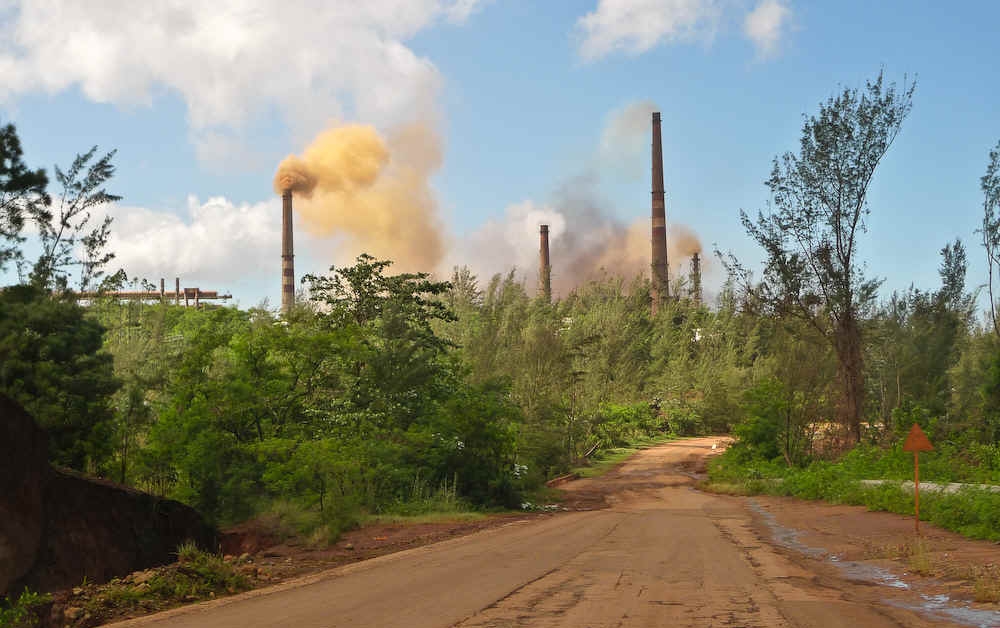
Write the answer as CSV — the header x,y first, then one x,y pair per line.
x,y
606,459
196,575
972,512
426,517
23,611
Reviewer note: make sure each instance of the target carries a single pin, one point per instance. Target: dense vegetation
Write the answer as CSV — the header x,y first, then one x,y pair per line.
x,y
397,393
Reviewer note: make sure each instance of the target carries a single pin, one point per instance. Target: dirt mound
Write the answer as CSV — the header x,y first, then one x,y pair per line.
x,y
58,527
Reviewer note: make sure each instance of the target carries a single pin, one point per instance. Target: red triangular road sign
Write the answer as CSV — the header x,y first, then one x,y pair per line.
x,y
917,440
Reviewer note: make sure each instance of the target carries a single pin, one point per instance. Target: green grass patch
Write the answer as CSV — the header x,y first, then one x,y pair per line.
x,y
427,517
606,459
972,512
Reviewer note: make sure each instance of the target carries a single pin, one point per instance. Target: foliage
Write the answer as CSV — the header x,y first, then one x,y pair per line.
x,y
23,611
51,362
22,195
69,228
810,232
990,230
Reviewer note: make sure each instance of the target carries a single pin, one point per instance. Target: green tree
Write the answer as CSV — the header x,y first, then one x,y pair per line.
x,y
400,365
990,230
22,195
51,363
810,230
67,236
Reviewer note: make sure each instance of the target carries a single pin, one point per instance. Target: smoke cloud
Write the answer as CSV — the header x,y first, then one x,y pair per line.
x,y
600,243
369,193
587,238
372,194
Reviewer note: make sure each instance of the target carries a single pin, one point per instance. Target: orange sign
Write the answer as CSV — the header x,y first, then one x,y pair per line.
x,y
917,440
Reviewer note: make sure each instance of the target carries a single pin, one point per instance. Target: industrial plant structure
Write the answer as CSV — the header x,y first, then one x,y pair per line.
x,y
544,265
660,269
287,254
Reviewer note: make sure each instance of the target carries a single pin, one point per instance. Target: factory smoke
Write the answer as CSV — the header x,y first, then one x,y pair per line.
x,y
371,193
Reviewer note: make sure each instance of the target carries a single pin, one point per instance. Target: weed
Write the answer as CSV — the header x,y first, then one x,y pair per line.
x,y
920,559
23,612
986,584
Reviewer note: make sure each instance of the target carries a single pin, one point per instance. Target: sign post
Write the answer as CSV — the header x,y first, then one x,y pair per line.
x,y
917,442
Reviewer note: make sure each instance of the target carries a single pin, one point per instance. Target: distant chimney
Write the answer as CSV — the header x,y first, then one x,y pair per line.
x,y
696,278
544,265
287,254
660,274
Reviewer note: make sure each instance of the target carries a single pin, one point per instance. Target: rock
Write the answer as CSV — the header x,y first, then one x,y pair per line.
x,y
349,546
142,577
23,471
72,613
77,590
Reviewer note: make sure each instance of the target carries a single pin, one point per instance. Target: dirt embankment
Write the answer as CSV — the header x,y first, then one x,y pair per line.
x,y
58,528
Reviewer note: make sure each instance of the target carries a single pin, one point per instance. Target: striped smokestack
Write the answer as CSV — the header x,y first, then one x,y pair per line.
x,y
287,255
660,276
544,266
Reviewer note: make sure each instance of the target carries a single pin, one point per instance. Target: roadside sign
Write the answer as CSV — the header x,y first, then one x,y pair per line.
x,y
916,441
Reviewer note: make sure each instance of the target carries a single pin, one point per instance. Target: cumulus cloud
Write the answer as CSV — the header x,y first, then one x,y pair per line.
x,y
231,61
214,240
764,26
635,26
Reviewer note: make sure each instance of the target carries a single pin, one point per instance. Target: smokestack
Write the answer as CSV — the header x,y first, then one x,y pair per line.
x,y
696,278
287,255
544,266
660,276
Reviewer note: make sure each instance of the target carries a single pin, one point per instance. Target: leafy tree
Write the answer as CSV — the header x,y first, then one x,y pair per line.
x,y
810,230
51,363
22,195
990,230
400,365
69,227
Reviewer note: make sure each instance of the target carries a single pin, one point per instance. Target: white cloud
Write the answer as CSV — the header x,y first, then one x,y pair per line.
x,y
230,60
635,26
764,26
214,241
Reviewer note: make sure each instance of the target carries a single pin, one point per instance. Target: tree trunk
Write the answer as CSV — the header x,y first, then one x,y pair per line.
x,y
850,367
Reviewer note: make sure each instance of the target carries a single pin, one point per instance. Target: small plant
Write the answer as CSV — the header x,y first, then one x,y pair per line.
x,y
23,612
920,559
986,586
187,551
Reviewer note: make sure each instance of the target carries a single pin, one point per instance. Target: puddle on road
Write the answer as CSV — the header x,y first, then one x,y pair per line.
x,y
940,605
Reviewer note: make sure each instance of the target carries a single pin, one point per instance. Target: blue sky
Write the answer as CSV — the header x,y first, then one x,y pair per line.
x,y
202,102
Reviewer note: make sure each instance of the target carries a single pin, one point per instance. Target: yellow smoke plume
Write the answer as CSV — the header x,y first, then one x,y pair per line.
x,y
372,192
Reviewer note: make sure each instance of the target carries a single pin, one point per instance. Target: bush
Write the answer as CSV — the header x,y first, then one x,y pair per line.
x,y
24,611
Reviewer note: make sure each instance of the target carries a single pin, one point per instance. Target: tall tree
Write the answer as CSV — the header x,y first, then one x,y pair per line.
x,y
22,194
62,232
990,231
810,229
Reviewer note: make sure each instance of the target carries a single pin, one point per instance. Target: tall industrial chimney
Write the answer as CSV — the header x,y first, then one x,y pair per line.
x,y
287,256
544,266
696,278
660,274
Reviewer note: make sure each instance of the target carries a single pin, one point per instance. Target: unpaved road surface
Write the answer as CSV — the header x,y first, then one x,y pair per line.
x,y
653,552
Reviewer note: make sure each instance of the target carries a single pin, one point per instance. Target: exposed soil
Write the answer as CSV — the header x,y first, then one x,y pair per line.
x,y
639,546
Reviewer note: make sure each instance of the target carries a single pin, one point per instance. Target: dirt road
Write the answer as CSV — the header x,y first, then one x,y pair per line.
x,y
659,554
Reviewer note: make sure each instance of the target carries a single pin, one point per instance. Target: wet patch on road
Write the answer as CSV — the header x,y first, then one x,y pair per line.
x,y
937,606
